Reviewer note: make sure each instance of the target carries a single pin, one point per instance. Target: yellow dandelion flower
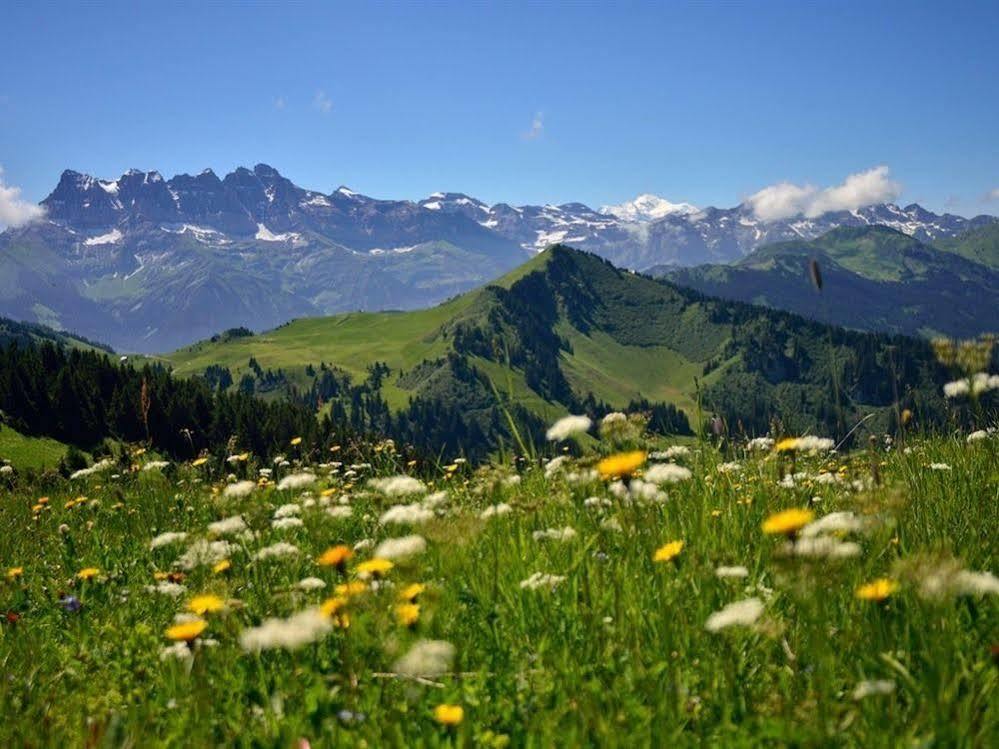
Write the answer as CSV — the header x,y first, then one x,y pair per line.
x,y
375,567
335,608
186,631
222,566
199,462
205,604
15,572
668,552
327,492
788,522
621,464
449,715
877,590
335,556
43,500
296,441
786,445
88,573
411,591
353,588
407,614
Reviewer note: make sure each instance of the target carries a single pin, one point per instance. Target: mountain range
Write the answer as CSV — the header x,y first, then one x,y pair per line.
x,y
145,263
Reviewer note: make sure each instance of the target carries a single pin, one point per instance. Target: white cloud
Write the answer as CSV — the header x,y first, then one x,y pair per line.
x,y
786,199
322,102
13,210
992,195
537,127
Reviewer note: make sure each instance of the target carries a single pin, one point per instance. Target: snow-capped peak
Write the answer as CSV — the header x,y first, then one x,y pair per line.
x,y
648,207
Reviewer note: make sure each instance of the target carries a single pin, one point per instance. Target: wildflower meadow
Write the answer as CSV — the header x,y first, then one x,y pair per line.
x,y
629,592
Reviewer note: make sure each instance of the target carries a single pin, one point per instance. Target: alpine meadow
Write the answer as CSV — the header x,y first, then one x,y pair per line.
x,y
554,462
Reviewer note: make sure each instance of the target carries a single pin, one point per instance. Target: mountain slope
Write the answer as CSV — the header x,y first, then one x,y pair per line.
x,y
980,245
568,330
149,264
874,278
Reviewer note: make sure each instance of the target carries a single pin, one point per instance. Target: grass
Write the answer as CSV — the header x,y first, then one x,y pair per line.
x,y
29,452
615,654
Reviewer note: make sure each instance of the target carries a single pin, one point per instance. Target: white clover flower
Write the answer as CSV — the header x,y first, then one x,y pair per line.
x,y
568,426
292,633
296,481
738,614
540,580
279,550
397,486
165,539
411,514
239,489
228,526
555,534
426,658
666,473
400,548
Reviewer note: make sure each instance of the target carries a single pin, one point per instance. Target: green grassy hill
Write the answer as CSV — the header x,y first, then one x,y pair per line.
x,y
29,452
566,332
980,245
874,278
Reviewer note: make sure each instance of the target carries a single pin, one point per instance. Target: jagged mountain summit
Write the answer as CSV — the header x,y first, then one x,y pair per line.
x,y
147,263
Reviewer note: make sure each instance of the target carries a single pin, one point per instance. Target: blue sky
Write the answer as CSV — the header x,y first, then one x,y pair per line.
x,y
706,103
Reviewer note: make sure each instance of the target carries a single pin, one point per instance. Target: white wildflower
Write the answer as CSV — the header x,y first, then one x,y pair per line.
x,y
494,510
597,502
155,465
411,514
167,588
310,583
736,571
101,465
165,539
297,630
555,534
340,512
282,524
203,552
730,467
666,473
568,426
178,650
873,688
976,384
239,489
397,486
738,614
296,481
227,526
278,550
435,500
822,547
611,524
555,465
671,453
286,511
835,522
400,548
426,658
760,443
939,467
542,580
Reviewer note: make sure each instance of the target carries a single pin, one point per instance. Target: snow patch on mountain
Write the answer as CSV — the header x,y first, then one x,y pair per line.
x,y
110,238
266,235
648,207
